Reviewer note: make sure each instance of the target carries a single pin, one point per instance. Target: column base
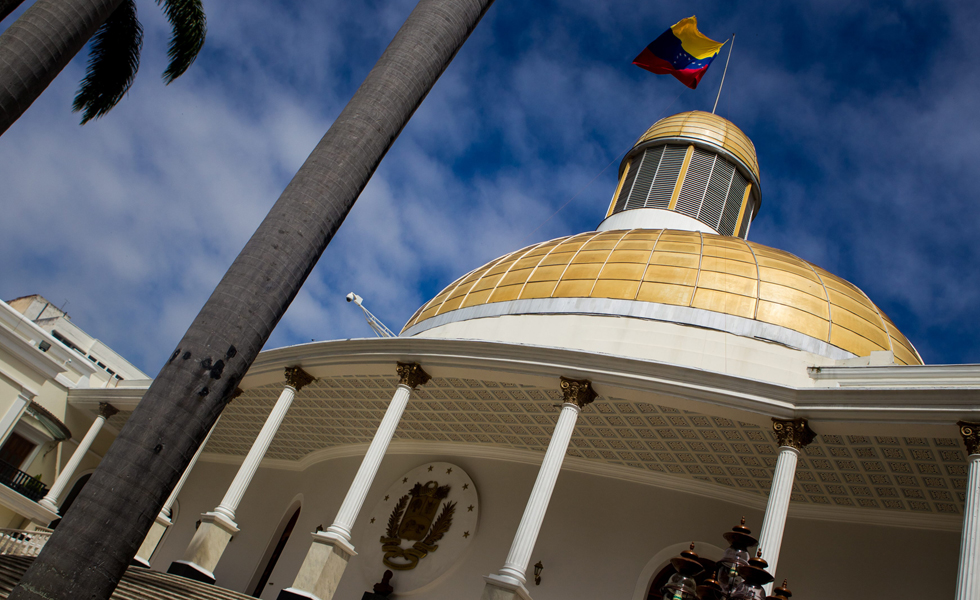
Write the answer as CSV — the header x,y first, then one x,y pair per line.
x,y
206,547
151,541
294,594
322,569
500,588
191,571
139,562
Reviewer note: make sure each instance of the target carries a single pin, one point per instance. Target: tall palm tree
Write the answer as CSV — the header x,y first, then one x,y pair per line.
x,y
106,524
38,45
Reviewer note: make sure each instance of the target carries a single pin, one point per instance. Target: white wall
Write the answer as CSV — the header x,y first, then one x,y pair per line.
x,y
598,536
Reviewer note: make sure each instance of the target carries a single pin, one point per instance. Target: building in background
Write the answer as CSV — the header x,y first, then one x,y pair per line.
x,y
43,356
675,375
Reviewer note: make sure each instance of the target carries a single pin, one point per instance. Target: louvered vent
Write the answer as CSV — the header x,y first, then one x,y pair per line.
x,y
717,192
695,182
733,205
663,184
624,192
744,229
644,178
712,190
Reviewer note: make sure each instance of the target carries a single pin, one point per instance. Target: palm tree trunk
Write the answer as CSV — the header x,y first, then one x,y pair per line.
x,y
38,45
7,7
101,533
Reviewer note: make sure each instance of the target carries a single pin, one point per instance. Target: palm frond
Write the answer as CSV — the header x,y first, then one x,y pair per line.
x,y
190,27
114,58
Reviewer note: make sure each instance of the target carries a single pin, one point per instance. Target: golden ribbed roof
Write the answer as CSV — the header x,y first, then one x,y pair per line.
x,y
716,273
706,127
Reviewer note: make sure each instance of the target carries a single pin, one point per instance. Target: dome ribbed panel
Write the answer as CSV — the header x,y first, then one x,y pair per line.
x,y
721,274
708,128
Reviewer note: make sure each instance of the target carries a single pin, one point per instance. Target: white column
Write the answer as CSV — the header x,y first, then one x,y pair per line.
x,y
968,576
217,527
169,504
354,500
511,577
50,501
537,505
791,437
327,558
229,504
771,537
9,419
163,522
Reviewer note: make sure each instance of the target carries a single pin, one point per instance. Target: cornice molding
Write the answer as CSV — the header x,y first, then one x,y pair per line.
x,y
937,405
932,409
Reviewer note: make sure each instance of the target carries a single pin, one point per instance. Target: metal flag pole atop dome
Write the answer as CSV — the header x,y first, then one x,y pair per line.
x,y
725,72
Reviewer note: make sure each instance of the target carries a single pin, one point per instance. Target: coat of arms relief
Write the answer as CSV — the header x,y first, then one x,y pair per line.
x,y
424,521
414,519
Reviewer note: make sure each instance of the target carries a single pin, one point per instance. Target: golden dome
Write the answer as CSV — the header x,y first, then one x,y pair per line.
x,y
720,274
704,127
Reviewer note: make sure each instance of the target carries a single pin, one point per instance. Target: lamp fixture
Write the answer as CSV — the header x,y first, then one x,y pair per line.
x,y
735,577
538,567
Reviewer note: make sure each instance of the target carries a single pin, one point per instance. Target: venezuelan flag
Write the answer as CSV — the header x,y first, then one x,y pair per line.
x,y
682,51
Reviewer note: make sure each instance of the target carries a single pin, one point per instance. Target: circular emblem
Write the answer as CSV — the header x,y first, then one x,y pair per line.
x,y
421,527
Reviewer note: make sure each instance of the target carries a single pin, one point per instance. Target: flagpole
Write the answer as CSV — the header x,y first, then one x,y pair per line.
x,y
718,97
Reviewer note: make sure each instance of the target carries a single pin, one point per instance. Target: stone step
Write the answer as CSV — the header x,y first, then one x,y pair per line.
x,y
137,584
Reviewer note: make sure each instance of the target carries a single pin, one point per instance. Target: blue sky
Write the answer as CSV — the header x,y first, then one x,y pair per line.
x,y
864,116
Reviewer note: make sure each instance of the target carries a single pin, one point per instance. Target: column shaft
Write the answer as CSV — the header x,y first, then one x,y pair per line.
x,y
50,500
327,559
771,537
165,511
527,532
229,504
354,500
10,418
968,576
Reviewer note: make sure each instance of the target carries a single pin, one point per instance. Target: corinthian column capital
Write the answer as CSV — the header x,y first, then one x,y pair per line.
x,y
795,433
577,391
412,375
971,436
297,378
106,410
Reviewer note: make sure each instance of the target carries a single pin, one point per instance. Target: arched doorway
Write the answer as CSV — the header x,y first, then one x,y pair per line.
x,y
274,551
658,569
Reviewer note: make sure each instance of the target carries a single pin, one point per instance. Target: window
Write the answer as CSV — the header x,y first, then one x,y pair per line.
x,y
16,450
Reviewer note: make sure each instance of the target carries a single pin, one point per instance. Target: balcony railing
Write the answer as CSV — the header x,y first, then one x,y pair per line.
x,y
17,542
21,482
